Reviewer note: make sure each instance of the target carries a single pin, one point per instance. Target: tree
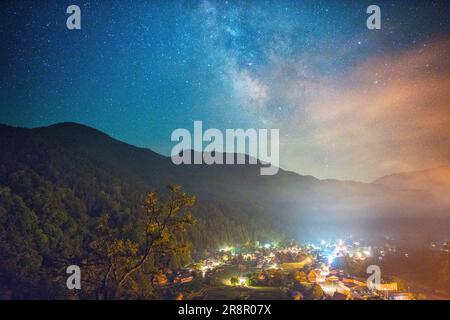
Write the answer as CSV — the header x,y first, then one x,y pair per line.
x,y
297,296
317,292
117,258
180,296
234,281
299,276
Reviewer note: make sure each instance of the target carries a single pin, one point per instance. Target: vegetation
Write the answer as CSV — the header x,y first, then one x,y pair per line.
x,y
77,198
116,258
119,257
72,195
426,268
234,281
317,292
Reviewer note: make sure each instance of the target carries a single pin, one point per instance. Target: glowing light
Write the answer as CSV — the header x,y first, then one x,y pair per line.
x,y
243,281
330,258
227,249
325,271
203,269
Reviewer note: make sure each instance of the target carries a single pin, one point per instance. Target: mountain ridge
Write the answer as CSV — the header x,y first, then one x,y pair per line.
x,y
287,201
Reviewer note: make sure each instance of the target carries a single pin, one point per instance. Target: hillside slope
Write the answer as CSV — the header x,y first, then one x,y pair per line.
x,y
106,174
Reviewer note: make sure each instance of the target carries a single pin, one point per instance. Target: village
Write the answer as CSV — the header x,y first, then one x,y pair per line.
x,y
282,271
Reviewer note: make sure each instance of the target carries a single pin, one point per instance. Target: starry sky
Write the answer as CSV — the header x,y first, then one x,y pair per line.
x,y
350,103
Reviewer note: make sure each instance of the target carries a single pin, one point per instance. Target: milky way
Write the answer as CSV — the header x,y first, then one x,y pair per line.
x,y
351,103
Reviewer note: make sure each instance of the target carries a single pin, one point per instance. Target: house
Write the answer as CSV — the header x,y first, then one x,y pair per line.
x,y
333,279
355,281
183,278
393,286
339,296
315,276
296,295
329,288
186,279
361,291
401,296
261,276
160,279
349,285
167,271
334,272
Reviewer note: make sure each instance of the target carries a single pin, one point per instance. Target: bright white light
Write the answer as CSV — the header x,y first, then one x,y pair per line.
x,y
330,259
227,248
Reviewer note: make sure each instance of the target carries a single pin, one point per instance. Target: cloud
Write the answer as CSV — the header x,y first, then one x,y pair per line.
x,y
343,111
385,115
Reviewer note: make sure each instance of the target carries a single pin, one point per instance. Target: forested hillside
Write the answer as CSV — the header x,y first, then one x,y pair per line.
x,y
67,187
57,183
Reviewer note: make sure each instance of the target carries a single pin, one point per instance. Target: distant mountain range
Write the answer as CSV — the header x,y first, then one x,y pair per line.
x,y
103,173
435,181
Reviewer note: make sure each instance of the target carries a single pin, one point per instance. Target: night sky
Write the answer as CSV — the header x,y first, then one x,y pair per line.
x,y
350,103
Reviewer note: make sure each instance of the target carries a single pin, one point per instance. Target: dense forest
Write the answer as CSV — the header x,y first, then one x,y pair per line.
x,y
67,188
54,197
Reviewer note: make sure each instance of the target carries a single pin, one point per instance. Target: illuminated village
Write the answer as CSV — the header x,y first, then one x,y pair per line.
x,y
289,271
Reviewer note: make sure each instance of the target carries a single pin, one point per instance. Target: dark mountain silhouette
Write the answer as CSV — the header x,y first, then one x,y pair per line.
x,y
103,174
